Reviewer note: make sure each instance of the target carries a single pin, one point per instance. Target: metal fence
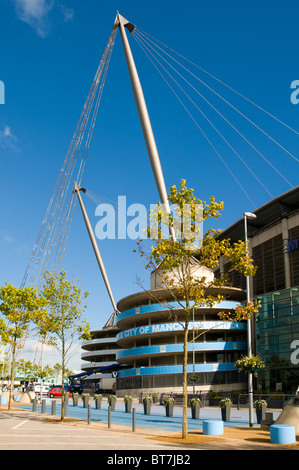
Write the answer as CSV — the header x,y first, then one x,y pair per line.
x,y
274,401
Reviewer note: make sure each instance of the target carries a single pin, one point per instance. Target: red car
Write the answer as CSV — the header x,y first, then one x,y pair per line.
x,y
56,392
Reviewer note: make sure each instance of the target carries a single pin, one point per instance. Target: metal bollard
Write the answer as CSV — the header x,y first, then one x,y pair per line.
x,y
34,404
88,412
109,416
133,419
54,407
43,408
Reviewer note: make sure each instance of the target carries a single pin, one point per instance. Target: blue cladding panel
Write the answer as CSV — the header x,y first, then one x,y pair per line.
x,y
166,327
225,304
171,348
227,366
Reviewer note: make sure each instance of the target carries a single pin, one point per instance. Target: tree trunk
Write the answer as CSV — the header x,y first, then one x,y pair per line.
x,y
12,373
62,384
185,386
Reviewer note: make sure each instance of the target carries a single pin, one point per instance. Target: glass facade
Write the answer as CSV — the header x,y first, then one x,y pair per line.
x,y
274,246
269,258
277,337
176,380
294,255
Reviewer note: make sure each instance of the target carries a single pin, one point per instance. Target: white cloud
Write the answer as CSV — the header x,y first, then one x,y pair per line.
x,y
33,350
68,13
7,132
32,346
36,13
15,245
6,237
7,139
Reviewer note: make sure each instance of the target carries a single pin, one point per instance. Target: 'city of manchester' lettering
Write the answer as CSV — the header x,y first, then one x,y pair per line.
x,y
164,327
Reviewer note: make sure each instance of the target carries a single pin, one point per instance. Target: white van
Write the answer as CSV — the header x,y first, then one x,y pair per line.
x,y
45,387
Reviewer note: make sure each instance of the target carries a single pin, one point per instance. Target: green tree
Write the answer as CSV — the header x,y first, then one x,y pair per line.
x,y
24,368
174,259
4,367
57,371
63,324
21,308
44,372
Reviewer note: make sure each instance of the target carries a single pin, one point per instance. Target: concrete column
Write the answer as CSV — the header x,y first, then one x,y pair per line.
x,y
251,277
285,239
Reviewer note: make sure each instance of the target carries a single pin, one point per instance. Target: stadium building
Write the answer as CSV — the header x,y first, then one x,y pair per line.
x,y
148,336
100,353
273,239
148,341
151,341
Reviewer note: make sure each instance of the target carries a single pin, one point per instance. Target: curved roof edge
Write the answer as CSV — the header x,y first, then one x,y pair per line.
x,y
143,298
267,214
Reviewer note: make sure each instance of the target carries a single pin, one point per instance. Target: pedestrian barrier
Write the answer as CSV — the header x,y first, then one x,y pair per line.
x,y
109,416
212,427
88,412
133,419
282,434
43,407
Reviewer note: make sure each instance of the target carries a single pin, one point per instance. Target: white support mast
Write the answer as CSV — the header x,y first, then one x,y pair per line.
x,y
77,190
121,22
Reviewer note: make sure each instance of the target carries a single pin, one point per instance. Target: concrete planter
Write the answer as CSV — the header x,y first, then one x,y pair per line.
x,y
147,406
225,413
75,400
195,411
260,413
112,402
128,406
169,409
85,401
98,402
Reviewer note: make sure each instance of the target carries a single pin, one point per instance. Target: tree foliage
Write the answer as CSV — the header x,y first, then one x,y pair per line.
x,y
176,260
63,323
21,308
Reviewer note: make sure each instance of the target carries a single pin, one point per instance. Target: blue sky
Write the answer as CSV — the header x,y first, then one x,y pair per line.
x,y
50,51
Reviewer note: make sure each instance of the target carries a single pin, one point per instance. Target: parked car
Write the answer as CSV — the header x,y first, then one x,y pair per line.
x,y
57,392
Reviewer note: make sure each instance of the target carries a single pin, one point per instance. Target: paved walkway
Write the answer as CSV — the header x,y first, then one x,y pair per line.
x,y
156,420
22,429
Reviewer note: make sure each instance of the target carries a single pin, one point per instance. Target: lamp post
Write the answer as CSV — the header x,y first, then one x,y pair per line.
x,y
249,215
193,356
